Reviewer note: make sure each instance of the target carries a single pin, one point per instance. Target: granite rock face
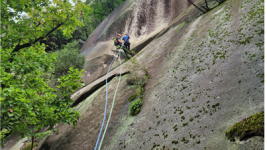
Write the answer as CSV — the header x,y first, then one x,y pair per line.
x,y
206,73
137,76
152,17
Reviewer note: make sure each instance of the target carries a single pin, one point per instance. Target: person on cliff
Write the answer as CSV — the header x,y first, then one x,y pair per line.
x,y
118,43
126,41
118,40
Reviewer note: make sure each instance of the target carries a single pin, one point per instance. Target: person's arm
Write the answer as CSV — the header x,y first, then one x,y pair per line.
x,y
120,41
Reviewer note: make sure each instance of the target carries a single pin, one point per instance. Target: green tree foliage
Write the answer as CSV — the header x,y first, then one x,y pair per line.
x,y
55,40
27,102
28,147
43,17
68,57
92,14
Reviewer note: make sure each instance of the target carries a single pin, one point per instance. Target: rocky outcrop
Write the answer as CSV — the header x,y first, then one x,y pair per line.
x,y
206,73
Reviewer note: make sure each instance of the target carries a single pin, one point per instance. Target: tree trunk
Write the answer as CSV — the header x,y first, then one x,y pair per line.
x,y
81,41
32,142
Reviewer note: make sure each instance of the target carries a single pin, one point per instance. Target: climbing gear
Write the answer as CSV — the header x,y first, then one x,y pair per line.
x,y
114,94
116,42
111,108
106,101
130,52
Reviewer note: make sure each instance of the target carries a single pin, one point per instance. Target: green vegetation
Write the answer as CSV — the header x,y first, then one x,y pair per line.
x,y
68,57
135,107
139,94
3,133
138,83
185,124
28,103
155,145
93,14
251,126
175,128
131,98
216,105
28,147
185,140
174,142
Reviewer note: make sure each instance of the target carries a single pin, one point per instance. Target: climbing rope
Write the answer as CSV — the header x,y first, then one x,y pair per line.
x,y
106,102
111,109
114,93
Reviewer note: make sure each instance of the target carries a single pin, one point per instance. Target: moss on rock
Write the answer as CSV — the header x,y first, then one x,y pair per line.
x,y
135,107
248,127
131,98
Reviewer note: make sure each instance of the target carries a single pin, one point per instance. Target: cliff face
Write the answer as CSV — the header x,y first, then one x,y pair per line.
x,y
152,17
206,73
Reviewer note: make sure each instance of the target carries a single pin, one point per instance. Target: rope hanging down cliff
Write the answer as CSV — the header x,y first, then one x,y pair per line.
x,y
115,91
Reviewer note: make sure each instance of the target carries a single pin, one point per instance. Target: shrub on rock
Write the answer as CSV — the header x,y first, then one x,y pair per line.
x,y
135,107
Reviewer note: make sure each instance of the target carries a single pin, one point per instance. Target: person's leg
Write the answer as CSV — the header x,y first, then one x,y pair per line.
x,y
127,44
125,51
128,48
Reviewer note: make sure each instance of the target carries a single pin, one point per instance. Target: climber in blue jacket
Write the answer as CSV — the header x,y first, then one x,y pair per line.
x,y
126,41
118,42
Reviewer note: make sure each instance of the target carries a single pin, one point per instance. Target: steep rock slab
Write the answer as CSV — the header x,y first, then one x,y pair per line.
x,y
96,67
205,75
84,136
152,17
112,73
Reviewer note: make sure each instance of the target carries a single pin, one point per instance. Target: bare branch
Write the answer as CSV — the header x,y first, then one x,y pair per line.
x,y
18,47
196,6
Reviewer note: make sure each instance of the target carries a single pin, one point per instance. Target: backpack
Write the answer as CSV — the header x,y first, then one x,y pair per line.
x,y
116,43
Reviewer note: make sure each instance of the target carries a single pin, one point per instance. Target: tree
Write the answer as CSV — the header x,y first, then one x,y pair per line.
x,y
27,102
43,17
68,57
